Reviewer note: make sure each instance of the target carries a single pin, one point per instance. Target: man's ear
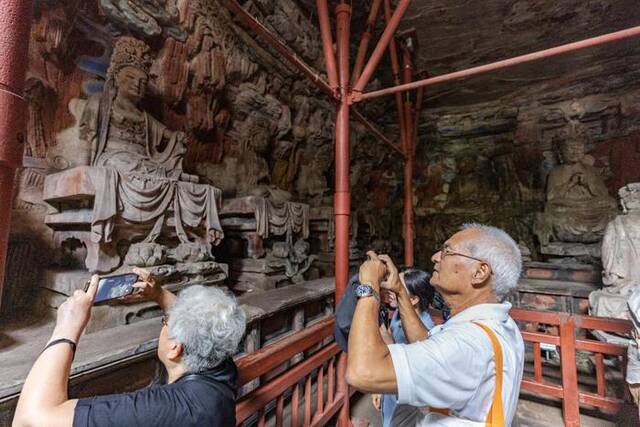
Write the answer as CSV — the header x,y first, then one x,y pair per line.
x,y
481,274
175,350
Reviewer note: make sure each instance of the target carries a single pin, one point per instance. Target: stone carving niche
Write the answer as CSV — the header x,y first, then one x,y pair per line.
x,y
266,230
132,204
578,205
620,254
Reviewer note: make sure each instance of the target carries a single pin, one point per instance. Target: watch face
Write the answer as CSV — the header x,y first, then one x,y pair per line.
x,y
364,291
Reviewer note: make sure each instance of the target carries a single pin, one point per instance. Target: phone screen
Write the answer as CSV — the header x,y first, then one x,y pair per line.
x,y
115,287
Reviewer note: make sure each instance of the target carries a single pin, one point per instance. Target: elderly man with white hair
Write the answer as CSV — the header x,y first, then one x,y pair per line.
x,y
201,331
465,372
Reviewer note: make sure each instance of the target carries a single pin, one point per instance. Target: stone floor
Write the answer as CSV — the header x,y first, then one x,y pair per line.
x,y
530,414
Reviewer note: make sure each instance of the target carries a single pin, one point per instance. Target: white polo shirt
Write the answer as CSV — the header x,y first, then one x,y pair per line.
x,y
454,368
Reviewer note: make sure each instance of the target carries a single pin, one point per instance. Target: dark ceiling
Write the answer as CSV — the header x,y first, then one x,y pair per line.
x,y
454,35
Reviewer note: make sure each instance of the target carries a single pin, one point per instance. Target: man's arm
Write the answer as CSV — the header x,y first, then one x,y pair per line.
x,y
43,400
414,329
369,365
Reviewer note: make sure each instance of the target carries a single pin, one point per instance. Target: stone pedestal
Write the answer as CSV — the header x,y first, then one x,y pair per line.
x,y
566,252
265,242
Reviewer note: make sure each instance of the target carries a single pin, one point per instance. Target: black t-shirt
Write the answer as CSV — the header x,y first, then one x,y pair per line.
x,y
204,399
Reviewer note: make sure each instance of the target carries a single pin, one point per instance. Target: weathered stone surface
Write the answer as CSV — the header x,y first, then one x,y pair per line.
x,y
621,270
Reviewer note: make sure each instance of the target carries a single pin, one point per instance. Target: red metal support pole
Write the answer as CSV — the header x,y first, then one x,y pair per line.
x,y
342,197
364,42
275,42
386,37
407,71
395,70
15,27
327,44
522,59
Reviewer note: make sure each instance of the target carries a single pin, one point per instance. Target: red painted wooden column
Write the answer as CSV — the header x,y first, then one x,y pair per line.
x,y
15,27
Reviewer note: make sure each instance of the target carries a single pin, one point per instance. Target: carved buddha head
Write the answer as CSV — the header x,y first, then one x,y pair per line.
x,y
129,68
572,147
132,83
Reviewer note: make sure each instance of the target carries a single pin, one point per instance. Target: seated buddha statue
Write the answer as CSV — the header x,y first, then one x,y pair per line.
x,y
578,205
137,161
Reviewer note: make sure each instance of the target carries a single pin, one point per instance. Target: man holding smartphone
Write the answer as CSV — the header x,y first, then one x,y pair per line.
x,y
202,328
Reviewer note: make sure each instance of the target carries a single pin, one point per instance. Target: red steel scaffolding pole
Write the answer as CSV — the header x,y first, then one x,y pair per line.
x,y
364,41
327,44
522,59
342,196
377,53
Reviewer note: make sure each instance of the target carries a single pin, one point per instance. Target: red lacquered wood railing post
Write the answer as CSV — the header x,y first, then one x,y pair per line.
x,y
261,420
307,401
331,381
343,391
537,362
320,391
600,381
571,399
295,406
279,410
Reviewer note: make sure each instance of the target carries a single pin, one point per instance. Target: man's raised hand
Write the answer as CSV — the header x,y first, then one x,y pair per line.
x,y
372,271
73,315
392,282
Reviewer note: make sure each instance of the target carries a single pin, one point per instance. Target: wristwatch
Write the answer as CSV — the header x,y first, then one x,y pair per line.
x,y
366,290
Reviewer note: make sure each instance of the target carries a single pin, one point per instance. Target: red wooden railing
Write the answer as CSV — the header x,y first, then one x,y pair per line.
x,y
564,332
319,368
318,371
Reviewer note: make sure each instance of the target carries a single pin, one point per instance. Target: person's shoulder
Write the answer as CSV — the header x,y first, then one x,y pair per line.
x,y
464,336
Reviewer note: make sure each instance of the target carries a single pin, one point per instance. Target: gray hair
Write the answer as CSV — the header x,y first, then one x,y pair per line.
x,y
208,323
502,253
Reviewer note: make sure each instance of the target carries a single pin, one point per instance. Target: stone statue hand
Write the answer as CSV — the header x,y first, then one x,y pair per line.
x,y
216,236
392,282
74,313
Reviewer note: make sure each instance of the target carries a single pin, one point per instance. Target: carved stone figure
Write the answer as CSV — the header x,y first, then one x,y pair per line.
x,y
620,254
578,205
136,173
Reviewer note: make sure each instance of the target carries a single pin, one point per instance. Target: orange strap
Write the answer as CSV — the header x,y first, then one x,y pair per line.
x,y
495,417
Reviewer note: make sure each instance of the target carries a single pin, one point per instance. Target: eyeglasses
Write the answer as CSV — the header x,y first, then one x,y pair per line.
x,y
165,319
446,251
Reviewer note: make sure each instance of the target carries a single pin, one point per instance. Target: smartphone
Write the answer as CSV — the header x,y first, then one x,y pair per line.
x,y
113,287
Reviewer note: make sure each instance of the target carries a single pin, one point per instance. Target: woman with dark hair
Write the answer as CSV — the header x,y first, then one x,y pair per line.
x,y
421,293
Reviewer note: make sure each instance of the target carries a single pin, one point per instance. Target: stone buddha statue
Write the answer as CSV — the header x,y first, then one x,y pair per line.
x,y
137,166
578,205
620,254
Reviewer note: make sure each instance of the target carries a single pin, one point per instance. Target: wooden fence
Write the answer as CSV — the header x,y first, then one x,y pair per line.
x,y
318,370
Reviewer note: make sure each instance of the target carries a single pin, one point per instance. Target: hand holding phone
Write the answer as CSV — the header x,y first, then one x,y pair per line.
x,y
114,287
